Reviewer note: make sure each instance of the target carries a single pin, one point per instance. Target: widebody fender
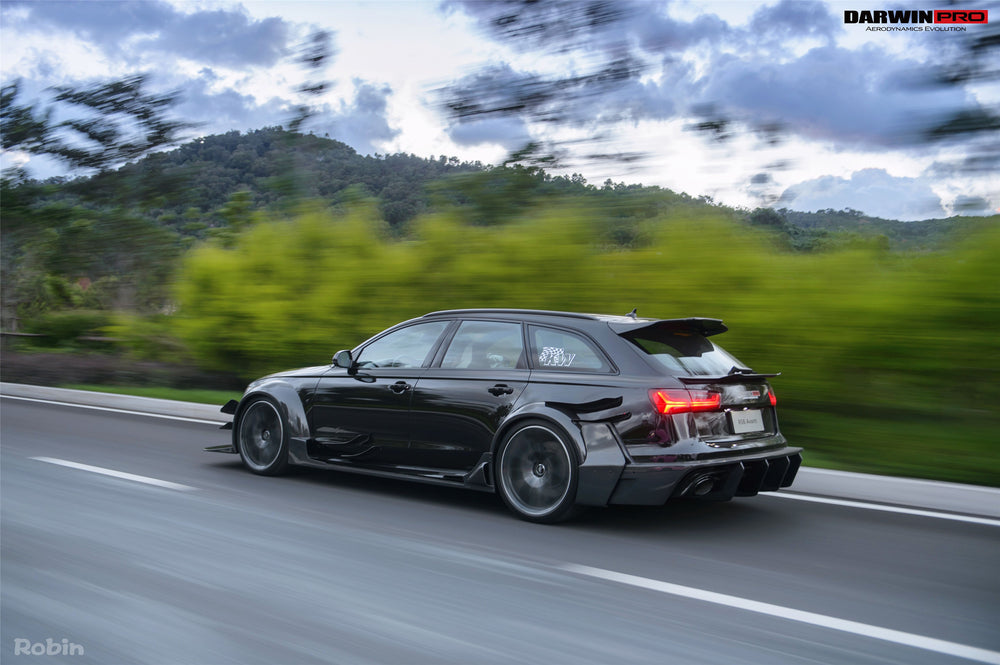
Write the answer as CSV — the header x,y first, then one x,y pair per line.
x,y
286,394
600,452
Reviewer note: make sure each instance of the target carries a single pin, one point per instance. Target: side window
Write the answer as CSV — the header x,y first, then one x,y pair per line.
x,y
563,351
407,347
486,345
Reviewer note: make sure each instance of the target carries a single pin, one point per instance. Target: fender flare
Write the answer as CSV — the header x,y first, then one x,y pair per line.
x,y
597,443
541,411
291,408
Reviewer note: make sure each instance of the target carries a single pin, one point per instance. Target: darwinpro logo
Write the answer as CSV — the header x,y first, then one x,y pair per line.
x,y
912,20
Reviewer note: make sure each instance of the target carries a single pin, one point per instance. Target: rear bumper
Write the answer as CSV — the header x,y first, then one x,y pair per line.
x,y
653,484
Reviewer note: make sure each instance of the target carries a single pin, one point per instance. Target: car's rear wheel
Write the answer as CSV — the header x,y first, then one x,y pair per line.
x,y
537,473
262,438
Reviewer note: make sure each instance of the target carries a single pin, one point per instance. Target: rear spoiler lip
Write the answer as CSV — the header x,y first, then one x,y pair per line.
x,y
728,378
700,325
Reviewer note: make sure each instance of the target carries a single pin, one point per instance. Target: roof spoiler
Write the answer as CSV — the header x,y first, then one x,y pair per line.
x,y
703,326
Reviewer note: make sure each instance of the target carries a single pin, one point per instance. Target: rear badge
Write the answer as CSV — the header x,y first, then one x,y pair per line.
x,y
745,422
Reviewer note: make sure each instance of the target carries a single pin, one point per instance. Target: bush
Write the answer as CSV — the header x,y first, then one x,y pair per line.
x,y
65,328
145,338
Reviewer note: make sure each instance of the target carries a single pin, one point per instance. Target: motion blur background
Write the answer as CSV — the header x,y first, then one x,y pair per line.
x,y
274,193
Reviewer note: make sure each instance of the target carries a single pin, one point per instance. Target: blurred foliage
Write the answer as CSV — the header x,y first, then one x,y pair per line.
x,y
61,254
145,337
65,328
100,126
888,359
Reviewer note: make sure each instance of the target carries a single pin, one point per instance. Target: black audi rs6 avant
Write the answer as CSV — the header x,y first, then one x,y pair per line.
x,y
550,410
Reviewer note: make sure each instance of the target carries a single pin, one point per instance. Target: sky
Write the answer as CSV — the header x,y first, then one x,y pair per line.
x,y
820,113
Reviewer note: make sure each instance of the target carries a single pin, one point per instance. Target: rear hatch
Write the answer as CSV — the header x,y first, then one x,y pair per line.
x,y
726,400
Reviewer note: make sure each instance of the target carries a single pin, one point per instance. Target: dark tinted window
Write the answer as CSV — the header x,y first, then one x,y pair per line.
x,y
406,347
560,350
686,354
485,345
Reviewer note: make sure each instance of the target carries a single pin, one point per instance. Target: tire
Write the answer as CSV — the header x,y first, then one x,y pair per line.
x,y
262,438
537,473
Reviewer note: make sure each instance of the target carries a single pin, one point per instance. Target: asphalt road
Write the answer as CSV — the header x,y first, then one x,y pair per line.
x,y
221,566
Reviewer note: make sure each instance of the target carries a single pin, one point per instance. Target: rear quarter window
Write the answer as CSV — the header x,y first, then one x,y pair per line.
x,y
564,351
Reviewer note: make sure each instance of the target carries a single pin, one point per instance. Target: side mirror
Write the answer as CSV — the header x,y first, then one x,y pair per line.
x,y
343,359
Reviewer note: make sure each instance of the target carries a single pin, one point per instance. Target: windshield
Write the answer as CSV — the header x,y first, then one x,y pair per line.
x,y
687,354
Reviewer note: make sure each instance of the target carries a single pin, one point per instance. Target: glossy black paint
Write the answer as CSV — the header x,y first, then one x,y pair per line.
x,y
456,413
363,416
442,424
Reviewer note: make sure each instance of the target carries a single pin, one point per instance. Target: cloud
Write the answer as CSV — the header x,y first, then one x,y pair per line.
x,y
223,38
972,205
137,30
510,133
873,191
362,123
830,93
646,65
661,35
217,111
794,19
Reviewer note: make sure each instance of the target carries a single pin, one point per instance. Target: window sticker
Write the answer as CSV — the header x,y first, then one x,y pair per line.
x,y
553,356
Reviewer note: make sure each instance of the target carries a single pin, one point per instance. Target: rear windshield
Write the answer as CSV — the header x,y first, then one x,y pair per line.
x,y
685,354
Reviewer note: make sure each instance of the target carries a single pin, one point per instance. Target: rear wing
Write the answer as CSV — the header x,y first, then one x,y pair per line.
x,y
739,377
702,326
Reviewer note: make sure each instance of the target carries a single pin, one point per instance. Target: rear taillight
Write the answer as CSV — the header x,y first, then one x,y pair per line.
x,y
684,401
771,396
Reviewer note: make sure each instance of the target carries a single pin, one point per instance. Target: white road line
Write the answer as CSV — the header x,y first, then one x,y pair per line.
x,y
108,408
116,474
886,634
884,508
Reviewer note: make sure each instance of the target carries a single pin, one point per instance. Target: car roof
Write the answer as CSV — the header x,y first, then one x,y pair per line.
x,y
527,313
619,324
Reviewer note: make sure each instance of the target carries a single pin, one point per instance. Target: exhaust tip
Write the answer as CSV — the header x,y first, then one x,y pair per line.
x,y
702,486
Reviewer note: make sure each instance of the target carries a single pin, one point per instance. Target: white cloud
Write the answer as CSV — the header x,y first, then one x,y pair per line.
x,y
872,191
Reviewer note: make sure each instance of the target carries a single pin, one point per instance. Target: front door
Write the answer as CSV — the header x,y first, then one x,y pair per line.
x,y
363,417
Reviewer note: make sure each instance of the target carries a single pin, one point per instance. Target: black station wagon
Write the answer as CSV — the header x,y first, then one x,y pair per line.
x,y
550,410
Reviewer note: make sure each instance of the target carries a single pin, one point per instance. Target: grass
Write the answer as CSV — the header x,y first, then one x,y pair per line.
x,y
184,395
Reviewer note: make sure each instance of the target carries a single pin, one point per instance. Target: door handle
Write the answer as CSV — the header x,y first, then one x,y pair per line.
x,y
400,387
501,389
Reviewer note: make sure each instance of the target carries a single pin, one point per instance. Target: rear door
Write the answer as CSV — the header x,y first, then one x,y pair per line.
x,y
461,400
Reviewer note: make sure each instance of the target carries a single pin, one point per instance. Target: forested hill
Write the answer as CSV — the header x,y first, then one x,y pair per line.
x,y
200,185
919,235
272,164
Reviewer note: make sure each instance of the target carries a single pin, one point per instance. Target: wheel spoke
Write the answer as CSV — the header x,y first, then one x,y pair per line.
x,y
261,435
535,471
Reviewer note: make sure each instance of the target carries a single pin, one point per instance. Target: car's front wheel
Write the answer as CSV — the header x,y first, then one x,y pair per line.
x,y
537,473
262,438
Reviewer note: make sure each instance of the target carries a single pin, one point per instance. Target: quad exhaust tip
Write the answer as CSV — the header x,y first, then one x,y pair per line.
x,y
700,485
703,486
